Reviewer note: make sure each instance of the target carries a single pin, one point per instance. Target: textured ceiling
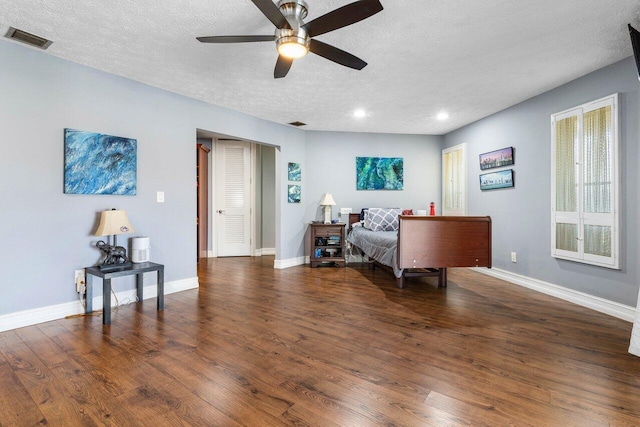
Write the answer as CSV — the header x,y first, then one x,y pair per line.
x,y
470,58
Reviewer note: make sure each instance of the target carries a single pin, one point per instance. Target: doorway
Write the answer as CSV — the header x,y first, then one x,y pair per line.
x,y
232,163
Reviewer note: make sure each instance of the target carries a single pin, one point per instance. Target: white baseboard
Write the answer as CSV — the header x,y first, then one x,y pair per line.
x,y
279,264
602,305
24,318
265,251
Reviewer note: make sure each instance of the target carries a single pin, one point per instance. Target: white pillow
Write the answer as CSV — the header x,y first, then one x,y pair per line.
x,y
382,219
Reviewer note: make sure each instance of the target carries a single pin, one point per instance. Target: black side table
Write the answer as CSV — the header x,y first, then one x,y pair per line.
x,y
106,276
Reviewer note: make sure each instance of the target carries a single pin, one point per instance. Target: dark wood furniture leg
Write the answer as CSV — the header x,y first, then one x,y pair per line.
x,y
106,301
89,294
161,289
140,285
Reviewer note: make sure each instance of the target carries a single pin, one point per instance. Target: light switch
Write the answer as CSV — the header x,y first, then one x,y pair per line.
x,y
160,196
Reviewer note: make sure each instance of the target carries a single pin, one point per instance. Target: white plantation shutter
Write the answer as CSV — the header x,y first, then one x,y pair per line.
x,y
454,180
585,183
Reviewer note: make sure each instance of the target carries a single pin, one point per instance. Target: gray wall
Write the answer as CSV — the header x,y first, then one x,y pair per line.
x,y
268,197
521,216
330,167
46,234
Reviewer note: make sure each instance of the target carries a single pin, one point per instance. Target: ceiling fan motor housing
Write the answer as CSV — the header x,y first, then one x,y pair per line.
x,y
295,11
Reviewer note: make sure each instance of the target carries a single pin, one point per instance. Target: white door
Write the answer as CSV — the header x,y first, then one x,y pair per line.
x,y
454,180
233,198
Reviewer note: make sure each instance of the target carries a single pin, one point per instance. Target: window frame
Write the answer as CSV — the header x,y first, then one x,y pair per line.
x,y
581,218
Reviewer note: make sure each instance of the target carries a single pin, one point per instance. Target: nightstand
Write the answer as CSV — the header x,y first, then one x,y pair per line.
x,y
326,244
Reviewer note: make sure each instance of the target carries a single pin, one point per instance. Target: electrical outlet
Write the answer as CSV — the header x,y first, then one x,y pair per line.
x,y
345,211
513,257
80,281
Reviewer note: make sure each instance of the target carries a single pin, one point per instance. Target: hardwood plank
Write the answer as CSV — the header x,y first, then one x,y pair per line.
x,y
17,406
44,389
326,346
92,397
245,401
42,345
475,413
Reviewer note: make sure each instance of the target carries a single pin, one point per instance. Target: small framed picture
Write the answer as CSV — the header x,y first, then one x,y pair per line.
x,y
295,173
496,159
294,193
494,180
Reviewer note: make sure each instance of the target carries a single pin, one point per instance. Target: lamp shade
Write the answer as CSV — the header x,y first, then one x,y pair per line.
x,y
327,200
113,222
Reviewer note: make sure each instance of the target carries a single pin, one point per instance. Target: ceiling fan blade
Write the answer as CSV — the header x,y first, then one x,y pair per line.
x,y
235,39
336,55
282,67
271,11
343,16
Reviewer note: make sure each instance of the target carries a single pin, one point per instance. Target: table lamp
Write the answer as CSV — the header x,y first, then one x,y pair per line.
x,y
112,223
327,201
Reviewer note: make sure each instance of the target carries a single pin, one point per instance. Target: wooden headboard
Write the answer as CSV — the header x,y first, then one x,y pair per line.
x,y
353,218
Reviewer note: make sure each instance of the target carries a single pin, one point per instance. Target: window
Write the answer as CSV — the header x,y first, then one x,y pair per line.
x,y
585,183
454,187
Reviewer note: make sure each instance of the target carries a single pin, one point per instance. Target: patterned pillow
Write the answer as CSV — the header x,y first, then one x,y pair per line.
x,y
379,219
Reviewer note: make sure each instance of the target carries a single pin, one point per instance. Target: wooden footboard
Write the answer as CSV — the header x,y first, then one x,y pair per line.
x,y
444,241
428,245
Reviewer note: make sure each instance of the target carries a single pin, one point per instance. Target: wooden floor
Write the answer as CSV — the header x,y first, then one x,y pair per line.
x,y
256,346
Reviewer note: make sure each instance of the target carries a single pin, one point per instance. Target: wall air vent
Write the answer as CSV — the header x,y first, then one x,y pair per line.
x,y
297,124
28,38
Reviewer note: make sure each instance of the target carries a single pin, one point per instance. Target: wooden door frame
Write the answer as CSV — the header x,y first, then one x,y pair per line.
x,y
202,209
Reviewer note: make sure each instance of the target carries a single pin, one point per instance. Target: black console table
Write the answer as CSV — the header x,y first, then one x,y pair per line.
x,y
138,269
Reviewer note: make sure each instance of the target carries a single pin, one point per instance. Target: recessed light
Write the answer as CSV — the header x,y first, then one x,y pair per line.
x,y
442,116
359,113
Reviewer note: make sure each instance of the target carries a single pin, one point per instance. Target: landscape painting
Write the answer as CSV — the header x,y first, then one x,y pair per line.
x,y
496,159
493,180
99,164
379,173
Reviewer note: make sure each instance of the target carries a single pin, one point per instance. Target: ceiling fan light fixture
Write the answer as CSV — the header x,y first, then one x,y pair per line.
x,y
292,48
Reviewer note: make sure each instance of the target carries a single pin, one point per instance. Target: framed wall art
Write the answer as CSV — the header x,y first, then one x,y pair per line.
x,y
494,180
294,193
99,164
496,159
294,172
379,173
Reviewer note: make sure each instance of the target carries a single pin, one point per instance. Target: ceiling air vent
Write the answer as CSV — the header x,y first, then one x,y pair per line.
x,y
28,38
297,124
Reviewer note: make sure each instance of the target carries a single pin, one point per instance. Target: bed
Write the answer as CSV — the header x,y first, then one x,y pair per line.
x,y
425,245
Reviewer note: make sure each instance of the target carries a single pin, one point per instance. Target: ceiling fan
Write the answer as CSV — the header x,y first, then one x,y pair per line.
x,y
294,37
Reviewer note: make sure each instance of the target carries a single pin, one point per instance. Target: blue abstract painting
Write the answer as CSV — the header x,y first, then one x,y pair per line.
x,y
379,173
99,164
295,173
294,194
